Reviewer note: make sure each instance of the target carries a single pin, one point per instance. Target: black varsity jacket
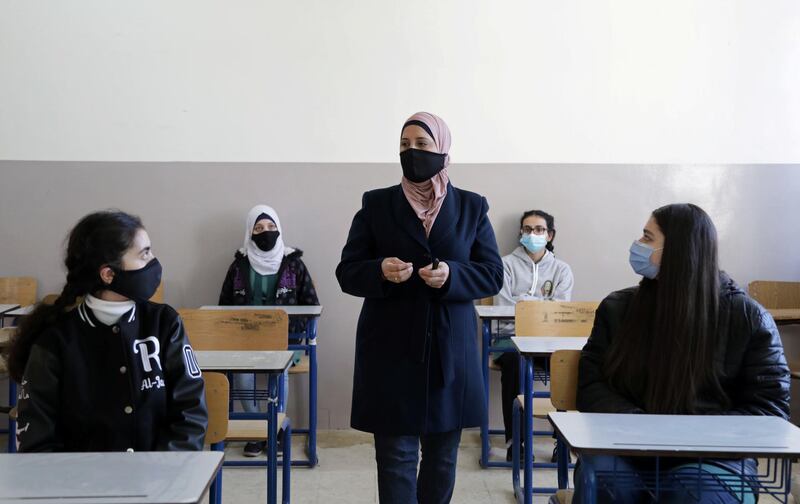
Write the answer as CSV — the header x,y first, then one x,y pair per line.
x,y
132,386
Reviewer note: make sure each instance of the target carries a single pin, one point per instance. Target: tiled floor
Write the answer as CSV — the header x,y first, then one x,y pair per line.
x,y
346,474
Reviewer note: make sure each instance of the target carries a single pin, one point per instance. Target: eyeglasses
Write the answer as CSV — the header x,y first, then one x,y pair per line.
x,y
537,230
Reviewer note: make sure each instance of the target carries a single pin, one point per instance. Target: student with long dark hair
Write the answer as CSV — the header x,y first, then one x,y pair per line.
x,y
530,273
104,369
686,341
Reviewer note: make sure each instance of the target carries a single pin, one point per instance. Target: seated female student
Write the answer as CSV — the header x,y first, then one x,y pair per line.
x,y
686,341
266,272
531,272
116,372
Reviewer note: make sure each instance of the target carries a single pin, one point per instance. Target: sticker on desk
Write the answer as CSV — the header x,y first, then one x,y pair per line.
x,y
256,320
545,312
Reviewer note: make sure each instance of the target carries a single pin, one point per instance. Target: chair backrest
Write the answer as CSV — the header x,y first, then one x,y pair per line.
x,y
50,299
217,392
775,295
158,297
554,318
236,329
18,290
489,301
564,378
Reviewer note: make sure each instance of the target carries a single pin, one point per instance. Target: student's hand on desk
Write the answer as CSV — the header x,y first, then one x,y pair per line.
x,y
396,271
435,277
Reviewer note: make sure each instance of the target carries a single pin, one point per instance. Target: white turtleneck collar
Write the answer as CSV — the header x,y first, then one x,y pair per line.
x,y
108,312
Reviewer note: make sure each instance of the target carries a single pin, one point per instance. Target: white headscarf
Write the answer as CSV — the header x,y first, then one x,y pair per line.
x,y
269,262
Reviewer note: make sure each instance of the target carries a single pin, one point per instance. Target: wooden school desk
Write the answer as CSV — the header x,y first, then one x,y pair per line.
x,y
311,314
273,364
530,347
685,436
488,314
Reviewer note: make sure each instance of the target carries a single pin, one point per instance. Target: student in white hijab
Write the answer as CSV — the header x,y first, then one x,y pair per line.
x,y
266,272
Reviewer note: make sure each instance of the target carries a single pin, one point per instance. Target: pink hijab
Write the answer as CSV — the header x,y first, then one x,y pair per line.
x,y
426,198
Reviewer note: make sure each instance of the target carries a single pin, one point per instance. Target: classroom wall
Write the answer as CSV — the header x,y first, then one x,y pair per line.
x,y
519,81
195,214
194,110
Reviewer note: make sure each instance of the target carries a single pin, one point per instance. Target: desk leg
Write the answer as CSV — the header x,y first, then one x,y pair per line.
x,y
272,441
563,464
287,463
518,491
487,337
588,481
215,492
528,434
312,392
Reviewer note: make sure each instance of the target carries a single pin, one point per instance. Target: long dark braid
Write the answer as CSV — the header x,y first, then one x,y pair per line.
x,y
99,239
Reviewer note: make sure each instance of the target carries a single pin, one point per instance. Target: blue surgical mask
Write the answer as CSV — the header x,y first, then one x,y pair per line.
x,y
640,260
534,243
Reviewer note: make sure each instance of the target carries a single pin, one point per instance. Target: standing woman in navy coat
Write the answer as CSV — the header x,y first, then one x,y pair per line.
x,y
419,253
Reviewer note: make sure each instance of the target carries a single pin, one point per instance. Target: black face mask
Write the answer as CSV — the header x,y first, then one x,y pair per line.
x,y
419,165
266,240
138,285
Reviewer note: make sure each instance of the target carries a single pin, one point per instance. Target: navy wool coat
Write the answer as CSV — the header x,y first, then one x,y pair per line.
x,y
417,365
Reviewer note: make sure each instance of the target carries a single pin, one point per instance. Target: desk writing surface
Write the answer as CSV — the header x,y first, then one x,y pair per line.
x,y
106,478
785,315
679,435
543,345
7,307
308,310
21,312
236,360
495,312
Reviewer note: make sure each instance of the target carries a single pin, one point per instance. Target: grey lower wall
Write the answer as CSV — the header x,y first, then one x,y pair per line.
x,y
195,215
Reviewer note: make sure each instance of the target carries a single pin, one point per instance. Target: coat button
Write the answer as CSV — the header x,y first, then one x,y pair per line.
x,y
129,450
122,370
115,329
128,410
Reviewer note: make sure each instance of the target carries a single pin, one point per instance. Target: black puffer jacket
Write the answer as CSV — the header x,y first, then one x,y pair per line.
x,y
133,386
753,371
295,286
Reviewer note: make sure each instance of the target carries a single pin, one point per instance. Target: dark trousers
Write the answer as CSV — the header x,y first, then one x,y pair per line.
x,y
509,387
397,458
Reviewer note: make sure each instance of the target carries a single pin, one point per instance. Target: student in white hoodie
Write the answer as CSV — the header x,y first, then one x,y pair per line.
x,y
531,272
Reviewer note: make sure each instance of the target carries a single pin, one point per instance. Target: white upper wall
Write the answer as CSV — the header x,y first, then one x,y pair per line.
x,y
683,81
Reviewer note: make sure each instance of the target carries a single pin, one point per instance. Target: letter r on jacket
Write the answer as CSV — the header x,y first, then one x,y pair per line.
x,y
141,347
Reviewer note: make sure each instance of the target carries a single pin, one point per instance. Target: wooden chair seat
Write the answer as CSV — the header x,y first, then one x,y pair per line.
x,y
541,406
250,430
564,496
302,367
